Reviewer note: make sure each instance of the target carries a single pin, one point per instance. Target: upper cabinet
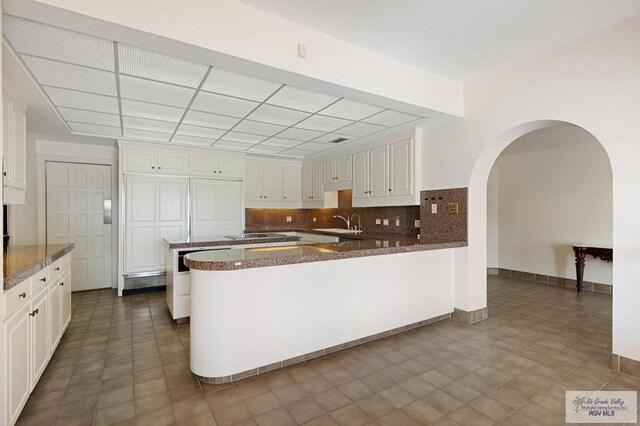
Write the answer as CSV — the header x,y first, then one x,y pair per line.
x,y
14,149
143,159
337,170
273,183
312,185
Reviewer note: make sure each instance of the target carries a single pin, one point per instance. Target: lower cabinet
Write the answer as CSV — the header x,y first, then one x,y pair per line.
x,y
32,329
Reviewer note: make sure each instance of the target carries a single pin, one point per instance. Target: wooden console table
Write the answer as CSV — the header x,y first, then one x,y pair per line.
x,y
581,251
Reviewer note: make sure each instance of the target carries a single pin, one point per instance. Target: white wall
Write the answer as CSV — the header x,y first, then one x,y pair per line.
x,y
593,83
554,189
493,230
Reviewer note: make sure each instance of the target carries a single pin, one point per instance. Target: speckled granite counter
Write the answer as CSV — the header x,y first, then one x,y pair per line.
x,y
244,258
354,236
21,262
219,240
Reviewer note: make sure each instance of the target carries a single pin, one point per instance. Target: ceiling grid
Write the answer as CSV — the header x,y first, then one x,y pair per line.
x,y
104,88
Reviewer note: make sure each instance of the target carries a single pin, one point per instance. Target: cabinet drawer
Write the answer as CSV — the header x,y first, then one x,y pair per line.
x,y
55,269
39,280
65,262
16,297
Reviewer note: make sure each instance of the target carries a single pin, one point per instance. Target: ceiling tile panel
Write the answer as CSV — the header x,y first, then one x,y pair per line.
x,y
323,123
82,100
93,129
351,110
90,117
304,100
146,124
315,147
68,76
204,119
243,137
390,118
361,129
225,105
146,136
258,128
288,143
299,134
201,132
151,111
191,140
157,66
237,146
266,149
48,41
277,115
298,153
158,93
239,85
329,137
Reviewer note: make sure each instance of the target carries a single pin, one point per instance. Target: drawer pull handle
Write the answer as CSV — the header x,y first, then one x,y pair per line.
x,y
43,279
23,295
34,313
62,283
58,269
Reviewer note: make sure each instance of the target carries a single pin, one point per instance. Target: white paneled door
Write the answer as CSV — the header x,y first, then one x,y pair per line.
x,y
216,207
76,195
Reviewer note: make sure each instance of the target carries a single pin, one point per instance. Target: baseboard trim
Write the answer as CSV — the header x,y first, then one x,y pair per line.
x,y
470,317
549,279
624,365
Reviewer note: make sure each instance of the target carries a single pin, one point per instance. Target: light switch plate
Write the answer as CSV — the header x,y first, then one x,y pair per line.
x,y
397,221
314,219
416,223
289,219
377,221
385,222
434,208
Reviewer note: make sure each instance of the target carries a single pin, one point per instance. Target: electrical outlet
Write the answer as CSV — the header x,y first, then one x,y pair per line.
x,y
397,220
378,222
302,50
314,219
416,223
434,208
289,219
385,222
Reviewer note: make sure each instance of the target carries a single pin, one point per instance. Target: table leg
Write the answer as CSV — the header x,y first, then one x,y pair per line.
x,y
580,255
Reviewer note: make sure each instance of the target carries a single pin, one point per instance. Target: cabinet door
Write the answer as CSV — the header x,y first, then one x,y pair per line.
x,y
272,183
172,215
379,172
400,168
141,223
329,172
17,332
65,283
203,165
55,313
230,167
307,183
292,183
343,169
39,317
139,160
173,163
361,175
253,183
318,189
230,211
7,136
19,148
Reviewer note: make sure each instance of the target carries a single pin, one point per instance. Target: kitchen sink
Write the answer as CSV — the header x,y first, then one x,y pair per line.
x,y
339,230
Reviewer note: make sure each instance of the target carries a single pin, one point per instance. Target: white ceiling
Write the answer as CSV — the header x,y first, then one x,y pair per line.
x,y
459,39
102,88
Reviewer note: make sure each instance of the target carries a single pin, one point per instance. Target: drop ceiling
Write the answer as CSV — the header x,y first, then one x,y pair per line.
x,y
103,88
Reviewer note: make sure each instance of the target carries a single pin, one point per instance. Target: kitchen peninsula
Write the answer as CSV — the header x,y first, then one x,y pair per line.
x,y
257,309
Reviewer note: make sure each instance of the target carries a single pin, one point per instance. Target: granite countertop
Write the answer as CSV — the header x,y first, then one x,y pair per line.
x,y
354,236
21,262
220,240
243,258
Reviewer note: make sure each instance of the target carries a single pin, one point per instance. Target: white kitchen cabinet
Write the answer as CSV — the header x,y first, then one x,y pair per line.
x,y
14,146
17,338
156,208
216,207
379,171
55,313
317,238
217,165
307,183
40,350
138,160
337,170
67,285
400,168
313,185
360,188
317,189
273,183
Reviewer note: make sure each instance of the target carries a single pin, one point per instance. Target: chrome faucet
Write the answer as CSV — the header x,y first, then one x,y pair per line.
x,y
359,227
346,219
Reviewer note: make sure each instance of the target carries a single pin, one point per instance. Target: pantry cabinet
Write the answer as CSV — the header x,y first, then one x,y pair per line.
x,y
14,150
155,162
36,314
217,165
273,183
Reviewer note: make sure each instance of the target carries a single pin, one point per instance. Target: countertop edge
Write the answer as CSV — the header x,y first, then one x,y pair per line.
x,y
291,260
174,245
18,277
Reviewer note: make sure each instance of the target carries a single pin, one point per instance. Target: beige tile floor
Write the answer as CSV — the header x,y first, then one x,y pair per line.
x,y
123,361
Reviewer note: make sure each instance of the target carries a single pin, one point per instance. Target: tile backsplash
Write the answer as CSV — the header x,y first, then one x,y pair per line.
x,y
447,221
323,218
